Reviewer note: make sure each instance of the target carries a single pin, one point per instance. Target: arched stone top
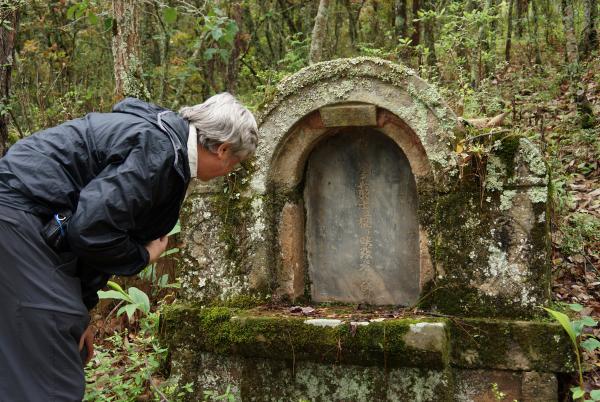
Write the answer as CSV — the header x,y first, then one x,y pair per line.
x,y
388,86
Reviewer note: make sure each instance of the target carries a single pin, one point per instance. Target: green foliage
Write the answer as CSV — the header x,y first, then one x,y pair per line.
x,y
575,330
126,366
579,231
214,396
134,299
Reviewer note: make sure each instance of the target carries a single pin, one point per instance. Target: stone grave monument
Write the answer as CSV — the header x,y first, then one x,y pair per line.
x,y
357,198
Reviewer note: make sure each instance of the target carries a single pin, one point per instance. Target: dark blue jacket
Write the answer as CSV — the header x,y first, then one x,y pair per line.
x,y
123,175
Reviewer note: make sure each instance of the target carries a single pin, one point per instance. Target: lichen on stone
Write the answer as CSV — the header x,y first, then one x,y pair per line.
x,y
538,194
495,174
506,199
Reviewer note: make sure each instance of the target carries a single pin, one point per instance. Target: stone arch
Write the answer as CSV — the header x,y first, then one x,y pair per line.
x,y
388,86
403,107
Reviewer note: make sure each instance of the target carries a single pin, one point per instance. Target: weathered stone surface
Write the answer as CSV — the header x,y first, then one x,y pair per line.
x,y
539,387
349,115
362,231
427,336
510,345
487,386
276,380
291,243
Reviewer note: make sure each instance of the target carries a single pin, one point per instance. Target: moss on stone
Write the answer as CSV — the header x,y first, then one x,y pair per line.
x,y
233,331
510,345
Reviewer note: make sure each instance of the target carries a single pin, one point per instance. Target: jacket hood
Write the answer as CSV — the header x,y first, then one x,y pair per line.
x,y
175,126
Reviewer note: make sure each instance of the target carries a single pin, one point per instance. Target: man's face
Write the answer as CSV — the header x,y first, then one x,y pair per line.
x,y
215,164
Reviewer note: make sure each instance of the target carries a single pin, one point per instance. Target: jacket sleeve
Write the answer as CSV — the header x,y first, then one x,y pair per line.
x,y
107,210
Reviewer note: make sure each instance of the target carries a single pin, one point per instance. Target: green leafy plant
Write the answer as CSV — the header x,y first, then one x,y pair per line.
x,y
126,367
215,396
134,299
575,331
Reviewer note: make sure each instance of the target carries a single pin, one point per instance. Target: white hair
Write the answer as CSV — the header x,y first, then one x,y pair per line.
x,y
221,118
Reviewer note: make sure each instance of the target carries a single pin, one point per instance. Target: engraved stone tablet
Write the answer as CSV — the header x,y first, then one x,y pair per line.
x,y
349,115
362,235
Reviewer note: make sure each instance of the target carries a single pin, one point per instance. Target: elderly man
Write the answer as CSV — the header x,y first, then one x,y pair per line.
x,y
111,185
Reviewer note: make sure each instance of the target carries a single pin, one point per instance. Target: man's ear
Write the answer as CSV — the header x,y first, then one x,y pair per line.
x,y
223,149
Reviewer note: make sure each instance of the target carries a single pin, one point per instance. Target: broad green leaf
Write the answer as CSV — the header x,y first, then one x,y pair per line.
x,y
566,324
71,11
92,18
129,309
224,54
140,298
591,344
595,394
113,294
170,15
209,53
577,392
217,33
576,307
163,281
588,321
577,326
108,24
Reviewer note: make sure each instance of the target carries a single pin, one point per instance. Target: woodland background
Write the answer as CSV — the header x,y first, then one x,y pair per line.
x,y
535,63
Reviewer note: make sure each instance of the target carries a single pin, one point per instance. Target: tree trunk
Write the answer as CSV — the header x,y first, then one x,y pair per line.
x,y
400,22
126,51
163,56
319,32
509,31
569,27
352,21
485,32
589,34
535,35
416,35
429,37
8,34
285,12
522,8
238,44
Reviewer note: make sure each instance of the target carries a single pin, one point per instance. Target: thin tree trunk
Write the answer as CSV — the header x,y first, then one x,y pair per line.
x,y
8,34
126,51
163,54
400,22
238,43
286,16
589,34
352,21
416,35
429,37
484,37
522,8
569,27
535,35
319,32
509,31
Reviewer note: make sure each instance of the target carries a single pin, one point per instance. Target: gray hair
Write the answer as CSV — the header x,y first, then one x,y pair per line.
x,y
221,118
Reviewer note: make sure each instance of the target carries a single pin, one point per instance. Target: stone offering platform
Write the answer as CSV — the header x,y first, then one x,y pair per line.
x,y
264,355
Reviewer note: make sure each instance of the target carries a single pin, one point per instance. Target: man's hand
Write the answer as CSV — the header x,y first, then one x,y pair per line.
x,y
156,248
87,341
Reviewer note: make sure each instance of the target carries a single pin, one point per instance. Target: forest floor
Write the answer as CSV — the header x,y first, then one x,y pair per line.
x,y
542,105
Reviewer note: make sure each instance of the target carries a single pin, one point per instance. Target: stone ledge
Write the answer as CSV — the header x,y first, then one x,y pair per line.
x,y
390,343
431,343
510,345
